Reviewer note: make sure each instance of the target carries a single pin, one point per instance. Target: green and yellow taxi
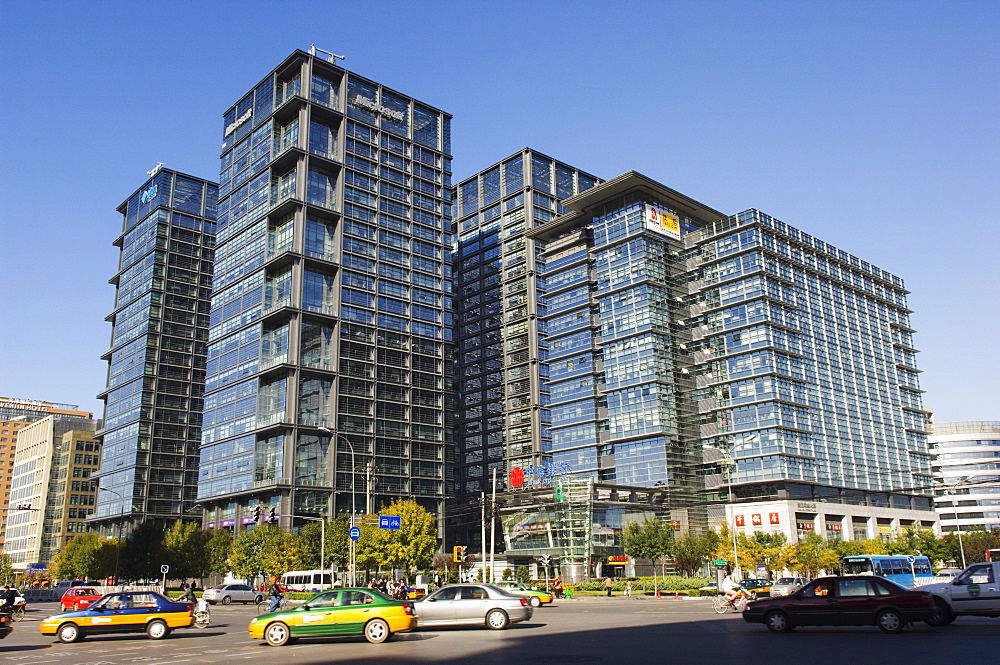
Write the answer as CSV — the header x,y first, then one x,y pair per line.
x,y
339,612
535,597
127,612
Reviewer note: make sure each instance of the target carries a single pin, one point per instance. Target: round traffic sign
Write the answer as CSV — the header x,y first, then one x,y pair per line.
x,y
164,569
355,533
911,559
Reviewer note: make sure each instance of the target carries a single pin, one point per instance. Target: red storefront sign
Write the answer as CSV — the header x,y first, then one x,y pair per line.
x,y
774,518
755,519
739,520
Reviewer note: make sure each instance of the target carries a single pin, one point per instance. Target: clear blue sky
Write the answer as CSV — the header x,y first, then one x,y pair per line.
x,y
871,125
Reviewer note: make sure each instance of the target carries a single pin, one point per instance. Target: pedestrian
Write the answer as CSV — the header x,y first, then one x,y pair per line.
x,y
628,589
557,587
607,585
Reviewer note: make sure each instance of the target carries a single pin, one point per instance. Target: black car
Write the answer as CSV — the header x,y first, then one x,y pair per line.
x,y
859,600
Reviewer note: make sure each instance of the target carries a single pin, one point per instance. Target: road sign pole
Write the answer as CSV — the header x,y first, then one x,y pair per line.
x,y
164,569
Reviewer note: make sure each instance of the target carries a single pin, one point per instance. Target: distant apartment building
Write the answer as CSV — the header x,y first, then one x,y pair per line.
x,y
51,481
329,357
14,415
156,359
967,474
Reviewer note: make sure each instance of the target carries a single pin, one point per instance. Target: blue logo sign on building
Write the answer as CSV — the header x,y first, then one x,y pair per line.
x,y
149,194
389,522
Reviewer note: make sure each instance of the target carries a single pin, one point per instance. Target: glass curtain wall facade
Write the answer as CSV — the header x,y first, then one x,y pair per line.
x,y
967,471
503,422
804,367
618,378
156,361
330,340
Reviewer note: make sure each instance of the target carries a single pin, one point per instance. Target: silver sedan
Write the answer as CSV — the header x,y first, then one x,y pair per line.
x,y
471,605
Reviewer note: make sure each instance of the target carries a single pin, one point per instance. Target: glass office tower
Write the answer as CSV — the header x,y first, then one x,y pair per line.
x,y
678,335
967,470
330,342
503,422
156,360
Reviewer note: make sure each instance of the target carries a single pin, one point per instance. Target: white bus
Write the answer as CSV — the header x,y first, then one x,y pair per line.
x,y
307,580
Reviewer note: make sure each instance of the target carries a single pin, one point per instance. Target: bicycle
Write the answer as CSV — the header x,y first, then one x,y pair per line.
x,y
262,606
722,604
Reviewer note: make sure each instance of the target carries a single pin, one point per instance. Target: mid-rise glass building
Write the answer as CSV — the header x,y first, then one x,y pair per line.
x,y
967,471
330,340
712,355
156,359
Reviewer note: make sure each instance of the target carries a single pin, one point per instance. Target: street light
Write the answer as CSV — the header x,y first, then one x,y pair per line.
x,y
354,468
322,545
725,459
118,540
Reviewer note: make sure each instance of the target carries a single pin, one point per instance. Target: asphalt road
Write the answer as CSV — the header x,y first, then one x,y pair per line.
x,y
583,630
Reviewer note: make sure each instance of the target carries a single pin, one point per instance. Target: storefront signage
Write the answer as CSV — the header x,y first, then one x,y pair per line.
x,y
149,194
211,525
774,518
755,519
617,560
806,526
676,524
235,124
739,520
372,105
834,527
246,520
885,529
227,523
806,506
536,476
662,222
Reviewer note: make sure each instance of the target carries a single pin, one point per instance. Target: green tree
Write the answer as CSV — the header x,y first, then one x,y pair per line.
x,y
522,574
813,554
184,546
692,549
920,541
6,569
409,547
86,556
651,540
264,548
337,548
859,547
143,553
218,546
762,548
974,543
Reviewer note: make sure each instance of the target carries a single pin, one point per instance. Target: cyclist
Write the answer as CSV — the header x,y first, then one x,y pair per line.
x,y
275,594
188,595
730,588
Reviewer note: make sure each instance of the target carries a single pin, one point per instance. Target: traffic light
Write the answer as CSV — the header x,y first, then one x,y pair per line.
x,y
256,513
458,554
271,517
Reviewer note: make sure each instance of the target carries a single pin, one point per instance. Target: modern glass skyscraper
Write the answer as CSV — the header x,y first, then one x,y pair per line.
x,y
156,361
967,469
330,343
674,329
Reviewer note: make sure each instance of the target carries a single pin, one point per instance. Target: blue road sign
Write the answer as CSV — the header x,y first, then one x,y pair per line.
x,y
164,569
354,533
910,559
389,522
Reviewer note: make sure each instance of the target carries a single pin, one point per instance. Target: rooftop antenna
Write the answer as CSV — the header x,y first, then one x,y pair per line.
x,y
156,169
333,56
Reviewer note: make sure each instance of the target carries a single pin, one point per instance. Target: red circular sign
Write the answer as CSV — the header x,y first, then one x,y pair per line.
x,y
516,476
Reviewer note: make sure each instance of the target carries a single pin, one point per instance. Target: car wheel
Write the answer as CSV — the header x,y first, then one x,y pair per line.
x,y
277,634
497,619
777,622
942,614
157,630
68,633
377,631
890,621
535,601
226,600
258,599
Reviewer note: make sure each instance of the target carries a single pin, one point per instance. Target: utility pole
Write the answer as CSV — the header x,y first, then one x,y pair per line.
x,y
493,521
482,526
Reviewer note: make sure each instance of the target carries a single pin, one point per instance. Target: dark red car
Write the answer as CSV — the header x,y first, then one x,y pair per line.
x,y
859,600
78,598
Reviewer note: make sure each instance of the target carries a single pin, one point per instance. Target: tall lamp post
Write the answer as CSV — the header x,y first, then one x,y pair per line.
x,y
118,540
354,468
322,546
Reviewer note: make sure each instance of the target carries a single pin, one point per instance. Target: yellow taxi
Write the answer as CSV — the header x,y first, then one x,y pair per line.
x,y
128,612
339,612
536,597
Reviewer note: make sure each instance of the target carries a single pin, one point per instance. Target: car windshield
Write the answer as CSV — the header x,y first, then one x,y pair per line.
x,y
786,580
